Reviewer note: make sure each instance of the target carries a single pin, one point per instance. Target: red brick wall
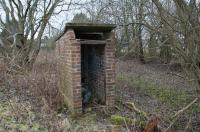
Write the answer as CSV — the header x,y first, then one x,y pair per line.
x,y
68,52
110,69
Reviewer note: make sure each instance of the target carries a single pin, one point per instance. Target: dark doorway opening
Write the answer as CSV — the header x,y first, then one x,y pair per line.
x,y
93,73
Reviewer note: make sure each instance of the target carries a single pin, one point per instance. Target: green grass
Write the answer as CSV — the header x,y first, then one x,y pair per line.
x,y
120,120
162,93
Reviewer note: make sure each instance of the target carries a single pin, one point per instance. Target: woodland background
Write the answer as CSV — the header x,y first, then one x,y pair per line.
x,y
157,56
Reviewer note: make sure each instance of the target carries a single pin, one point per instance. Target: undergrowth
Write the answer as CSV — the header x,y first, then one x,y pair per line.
x,y
162,93
11,119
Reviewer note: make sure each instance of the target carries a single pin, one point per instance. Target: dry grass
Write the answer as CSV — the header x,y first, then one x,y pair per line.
x,y
29,100
37,89
157,92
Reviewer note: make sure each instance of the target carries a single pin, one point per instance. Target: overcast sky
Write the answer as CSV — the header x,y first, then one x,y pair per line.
x,y
60,19
65,17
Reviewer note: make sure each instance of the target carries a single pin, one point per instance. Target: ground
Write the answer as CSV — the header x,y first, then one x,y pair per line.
x,y
29,100
157,90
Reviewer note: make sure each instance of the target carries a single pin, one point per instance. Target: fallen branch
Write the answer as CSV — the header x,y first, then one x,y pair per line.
x,y
177,115
136,109
185,108
178,75
152,121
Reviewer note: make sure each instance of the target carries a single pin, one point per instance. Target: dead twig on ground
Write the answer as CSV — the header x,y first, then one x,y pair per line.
x,y
152,123
16,112
28,112
126,125
188,124
133,107
177,115
185,108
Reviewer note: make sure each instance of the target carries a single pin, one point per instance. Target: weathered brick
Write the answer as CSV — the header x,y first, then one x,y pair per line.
x,y
68,52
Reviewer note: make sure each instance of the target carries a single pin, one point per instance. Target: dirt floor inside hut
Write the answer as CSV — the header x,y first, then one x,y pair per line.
x,y
29,100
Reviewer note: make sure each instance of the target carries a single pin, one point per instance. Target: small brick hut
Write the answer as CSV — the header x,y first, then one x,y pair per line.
x,y
85,54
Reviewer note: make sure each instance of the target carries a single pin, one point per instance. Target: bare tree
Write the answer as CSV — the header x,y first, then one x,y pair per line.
x,y
182,30
23,24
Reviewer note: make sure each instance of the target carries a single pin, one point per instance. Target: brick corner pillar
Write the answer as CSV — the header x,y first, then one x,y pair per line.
x,y
69,68
76,75
110,70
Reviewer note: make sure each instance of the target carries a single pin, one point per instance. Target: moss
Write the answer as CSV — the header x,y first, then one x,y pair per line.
x,y
119,120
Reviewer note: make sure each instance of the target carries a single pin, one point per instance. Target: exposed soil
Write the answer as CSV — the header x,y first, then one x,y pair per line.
x,y
37,90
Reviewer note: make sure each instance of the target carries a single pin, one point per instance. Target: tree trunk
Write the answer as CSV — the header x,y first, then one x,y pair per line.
x,y
141,52
140,17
